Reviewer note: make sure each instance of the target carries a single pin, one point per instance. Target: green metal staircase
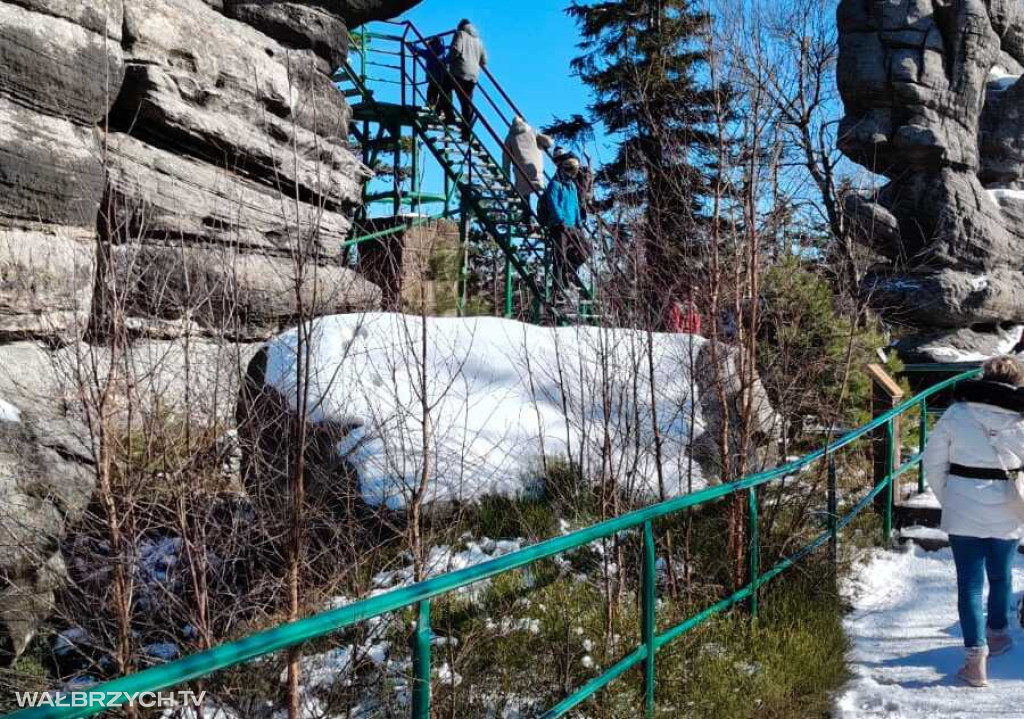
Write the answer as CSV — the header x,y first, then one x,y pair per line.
x,y
386,80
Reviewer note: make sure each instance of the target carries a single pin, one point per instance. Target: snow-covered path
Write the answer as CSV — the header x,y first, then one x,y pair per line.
x,y
907,646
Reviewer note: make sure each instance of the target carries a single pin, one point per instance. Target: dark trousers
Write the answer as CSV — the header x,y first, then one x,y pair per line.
x,y
439,98
464,89
568,253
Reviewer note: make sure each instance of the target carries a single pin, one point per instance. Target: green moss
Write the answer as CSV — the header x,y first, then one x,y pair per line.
x,y
28,674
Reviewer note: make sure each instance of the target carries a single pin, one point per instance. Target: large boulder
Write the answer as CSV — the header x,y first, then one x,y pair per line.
x,y
46,480
298,25
51,183
180,167
66,66
229,160
932,102
161,197
504,398
45,281
242,296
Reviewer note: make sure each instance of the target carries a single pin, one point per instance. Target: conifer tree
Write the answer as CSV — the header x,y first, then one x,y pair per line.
x,y
645,63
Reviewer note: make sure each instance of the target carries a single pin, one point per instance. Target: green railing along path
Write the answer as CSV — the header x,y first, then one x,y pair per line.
x,y
289,635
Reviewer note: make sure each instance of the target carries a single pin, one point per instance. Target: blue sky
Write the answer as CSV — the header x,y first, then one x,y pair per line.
x,y
530,43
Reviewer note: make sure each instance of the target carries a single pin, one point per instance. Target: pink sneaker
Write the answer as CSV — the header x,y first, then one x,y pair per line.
x,y
975,671
999,642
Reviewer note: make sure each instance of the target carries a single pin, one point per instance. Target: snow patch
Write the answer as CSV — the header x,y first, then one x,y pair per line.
x,y
927,537
979,283
999,80
443,559
922,500
502,395
1005,342
8,412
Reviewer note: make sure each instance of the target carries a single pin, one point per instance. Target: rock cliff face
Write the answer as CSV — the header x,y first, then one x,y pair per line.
x,y
192,137
933,103
169,165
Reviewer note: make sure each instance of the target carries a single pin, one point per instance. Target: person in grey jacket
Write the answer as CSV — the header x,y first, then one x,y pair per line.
x,y
466,56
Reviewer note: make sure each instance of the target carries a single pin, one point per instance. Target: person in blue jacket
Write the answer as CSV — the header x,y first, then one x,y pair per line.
x,y
561,216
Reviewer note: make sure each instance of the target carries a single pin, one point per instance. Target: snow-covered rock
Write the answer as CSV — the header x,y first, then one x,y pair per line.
x,y
927,538
501,396
8,412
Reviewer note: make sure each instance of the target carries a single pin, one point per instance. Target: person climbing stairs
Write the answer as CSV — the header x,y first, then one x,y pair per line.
x,y
386,105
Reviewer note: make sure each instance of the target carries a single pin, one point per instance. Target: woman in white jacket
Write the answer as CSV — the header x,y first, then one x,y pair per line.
x,y
972,463
523,157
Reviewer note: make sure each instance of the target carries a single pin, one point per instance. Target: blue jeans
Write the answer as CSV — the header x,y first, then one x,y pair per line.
x,y
975,557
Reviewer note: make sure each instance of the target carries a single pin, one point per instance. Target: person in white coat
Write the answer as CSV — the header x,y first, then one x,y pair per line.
x,y
972,463
523,158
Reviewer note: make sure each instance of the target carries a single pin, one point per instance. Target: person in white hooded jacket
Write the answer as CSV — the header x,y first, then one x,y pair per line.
x,y
523,157
972,463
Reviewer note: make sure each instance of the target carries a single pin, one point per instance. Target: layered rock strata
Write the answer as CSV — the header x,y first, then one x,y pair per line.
x,y
178,168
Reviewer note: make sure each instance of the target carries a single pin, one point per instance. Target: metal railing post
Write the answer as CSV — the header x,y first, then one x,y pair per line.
x,y
922,433
508,288
421,663
401,71
463,279
833,512
754,557
396,179
890,454
647,616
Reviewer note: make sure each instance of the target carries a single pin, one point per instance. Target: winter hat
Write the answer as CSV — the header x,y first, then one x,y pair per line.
x,y
561,154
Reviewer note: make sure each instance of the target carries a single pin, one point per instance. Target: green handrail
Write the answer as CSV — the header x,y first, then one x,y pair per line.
x,y
289,635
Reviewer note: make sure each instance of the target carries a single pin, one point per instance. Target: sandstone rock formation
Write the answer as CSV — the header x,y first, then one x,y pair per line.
x,y
181,126
932,102
168,165
45,483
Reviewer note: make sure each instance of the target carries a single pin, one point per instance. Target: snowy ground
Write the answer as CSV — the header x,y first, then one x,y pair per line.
x,y
924,500
907,646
